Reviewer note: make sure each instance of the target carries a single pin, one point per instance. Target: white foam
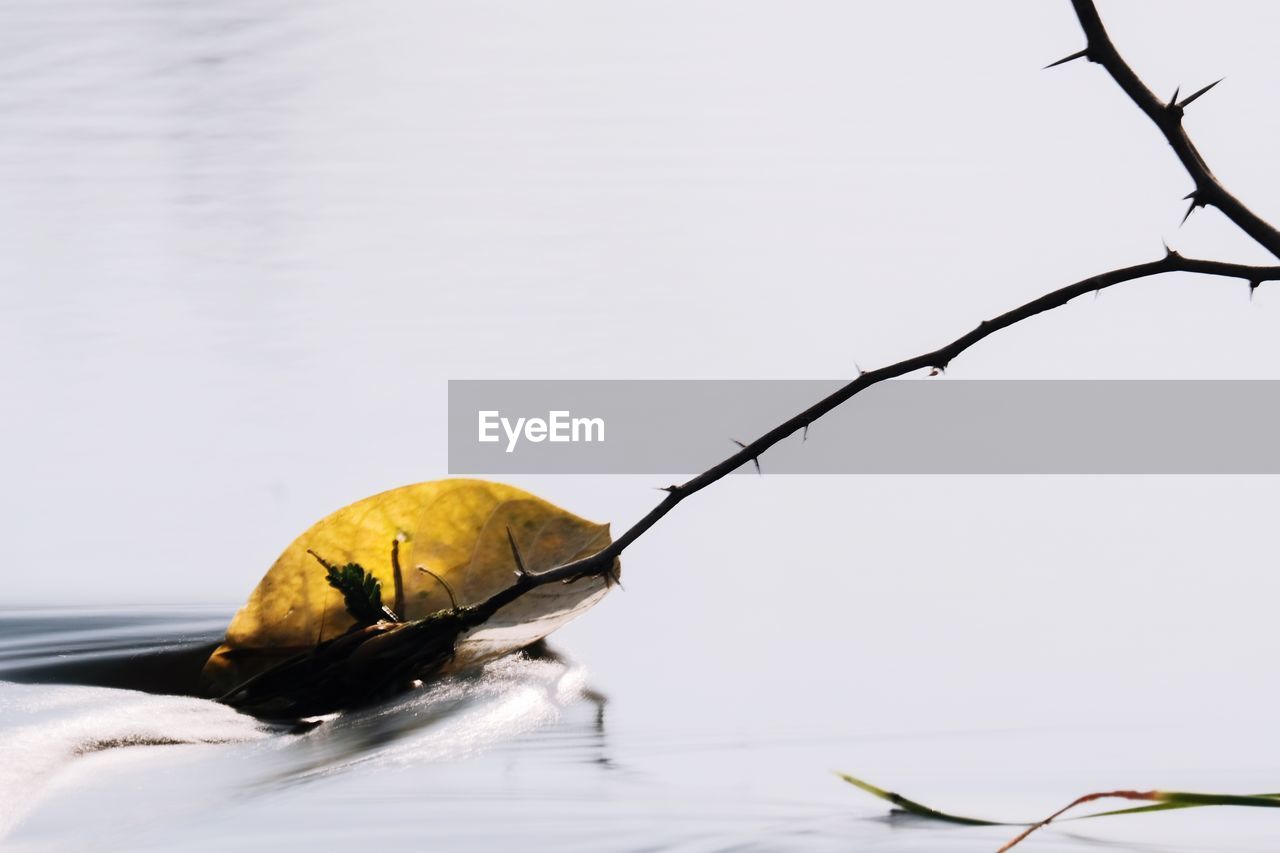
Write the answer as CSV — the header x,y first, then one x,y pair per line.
x,y
449,720
45,728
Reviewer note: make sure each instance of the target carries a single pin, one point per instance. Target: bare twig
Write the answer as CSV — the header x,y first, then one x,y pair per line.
x,y
1209,191
756,459
602,561
1167,116
325,678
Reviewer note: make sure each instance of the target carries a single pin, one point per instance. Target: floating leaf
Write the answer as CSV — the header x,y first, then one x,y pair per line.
x,y
452,543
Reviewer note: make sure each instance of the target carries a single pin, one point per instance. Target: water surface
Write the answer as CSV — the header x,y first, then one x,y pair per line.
x,y
244,244
525,753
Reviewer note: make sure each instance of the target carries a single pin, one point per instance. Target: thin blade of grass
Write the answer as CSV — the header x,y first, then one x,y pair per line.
x,y
1169,799
1160,801
918,809
1163,807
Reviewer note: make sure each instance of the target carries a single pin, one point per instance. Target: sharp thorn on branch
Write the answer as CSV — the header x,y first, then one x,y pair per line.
x,y
1079,54
805,435
668,489
1190,209
521,570
600,563
453,600
611,578
1173,102
1189,98
754,459
1253,285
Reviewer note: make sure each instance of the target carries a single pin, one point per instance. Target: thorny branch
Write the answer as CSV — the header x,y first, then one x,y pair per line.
x,y
1208,191
400,651
938,359
1167,116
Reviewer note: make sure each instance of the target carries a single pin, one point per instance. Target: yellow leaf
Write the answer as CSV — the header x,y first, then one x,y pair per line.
x,y
453,529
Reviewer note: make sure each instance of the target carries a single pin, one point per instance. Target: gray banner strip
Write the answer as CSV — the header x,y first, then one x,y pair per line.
x,y
937,426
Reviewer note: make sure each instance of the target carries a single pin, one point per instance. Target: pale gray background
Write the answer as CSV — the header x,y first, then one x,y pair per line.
x,y
244,244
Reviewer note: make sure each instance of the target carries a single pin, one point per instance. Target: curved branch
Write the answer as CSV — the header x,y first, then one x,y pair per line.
x,y
602,561
370,661
1168,118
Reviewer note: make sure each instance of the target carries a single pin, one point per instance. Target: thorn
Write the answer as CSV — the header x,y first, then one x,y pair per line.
x,y
1169,253
1173,102
521,571
668,489
1253,285
805,436
1096,293
1080,54
859,368
938,370
754,459
1190,208
448,589
1187,100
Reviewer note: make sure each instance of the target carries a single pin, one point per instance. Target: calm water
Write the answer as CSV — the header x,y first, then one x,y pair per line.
x,y
244,244
526,753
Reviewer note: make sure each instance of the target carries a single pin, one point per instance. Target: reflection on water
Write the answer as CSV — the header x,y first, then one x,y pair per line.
x,y
453,719
156,650
521,753
531,720
43,729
